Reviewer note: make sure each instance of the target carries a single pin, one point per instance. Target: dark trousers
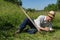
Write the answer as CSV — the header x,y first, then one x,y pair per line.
x,y
28,22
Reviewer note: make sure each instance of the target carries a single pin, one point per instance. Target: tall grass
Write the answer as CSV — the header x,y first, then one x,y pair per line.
x,y
10,18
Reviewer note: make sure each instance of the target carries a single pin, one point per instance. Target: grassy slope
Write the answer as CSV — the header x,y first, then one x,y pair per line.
x,y
11,14
45,35
7,8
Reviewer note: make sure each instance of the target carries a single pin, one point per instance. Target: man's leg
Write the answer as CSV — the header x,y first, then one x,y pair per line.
x,y
22,25
33,28
32,31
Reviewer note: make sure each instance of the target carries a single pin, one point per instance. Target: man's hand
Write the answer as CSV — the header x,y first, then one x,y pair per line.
x,y
38,29
46,29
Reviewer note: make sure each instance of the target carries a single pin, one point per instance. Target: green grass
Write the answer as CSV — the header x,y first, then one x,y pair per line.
x,y
11,16
45,35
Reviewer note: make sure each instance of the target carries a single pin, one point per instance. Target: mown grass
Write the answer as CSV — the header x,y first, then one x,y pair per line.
x,y
10,18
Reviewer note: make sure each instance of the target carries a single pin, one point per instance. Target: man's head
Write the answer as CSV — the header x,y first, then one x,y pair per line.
x,y
51,15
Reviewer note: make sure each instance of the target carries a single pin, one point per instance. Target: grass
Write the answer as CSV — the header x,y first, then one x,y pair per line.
x,y
45,35
11,13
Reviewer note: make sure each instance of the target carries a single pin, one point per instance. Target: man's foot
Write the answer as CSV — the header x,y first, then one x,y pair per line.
x,y
18,31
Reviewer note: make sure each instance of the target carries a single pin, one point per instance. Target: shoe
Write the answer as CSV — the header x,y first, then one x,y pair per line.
x,y
18,31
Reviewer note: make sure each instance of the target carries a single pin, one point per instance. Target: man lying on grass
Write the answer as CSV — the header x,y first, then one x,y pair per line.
x,y
42,22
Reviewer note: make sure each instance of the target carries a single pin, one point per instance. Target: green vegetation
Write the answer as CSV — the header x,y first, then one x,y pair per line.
x,y
18,2
10,18
54,7
58,4
51,7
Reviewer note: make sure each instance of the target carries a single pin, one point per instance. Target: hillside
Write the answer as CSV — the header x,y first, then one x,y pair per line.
x,y
10,18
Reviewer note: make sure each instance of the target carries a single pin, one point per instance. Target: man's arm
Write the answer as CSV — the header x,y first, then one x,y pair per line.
x,y
38,22
41,28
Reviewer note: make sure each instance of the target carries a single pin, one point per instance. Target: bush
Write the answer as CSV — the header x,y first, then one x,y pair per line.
x,y
18,2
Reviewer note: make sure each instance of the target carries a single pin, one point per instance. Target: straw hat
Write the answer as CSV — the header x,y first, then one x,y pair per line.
x,y
51,14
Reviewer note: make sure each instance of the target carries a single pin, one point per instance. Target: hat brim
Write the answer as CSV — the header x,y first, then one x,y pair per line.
x,y
50,15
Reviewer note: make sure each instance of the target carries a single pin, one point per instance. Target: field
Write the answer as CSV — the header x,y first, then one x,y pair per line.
x,y
44,35
10,18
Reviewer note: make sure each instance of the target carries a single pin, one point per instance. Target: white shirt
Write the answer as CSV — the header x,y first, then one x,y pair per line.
x,y
41,22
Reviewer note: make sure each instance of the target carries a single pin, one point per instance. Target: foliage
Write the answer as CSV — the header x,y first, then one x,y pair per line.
x,y
54,7
51,7
10,18
58,4
30,10
18,2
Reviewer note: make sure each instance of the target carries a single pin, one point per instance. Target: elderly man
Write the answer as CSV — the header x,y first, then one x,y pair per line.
x,y
42,22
